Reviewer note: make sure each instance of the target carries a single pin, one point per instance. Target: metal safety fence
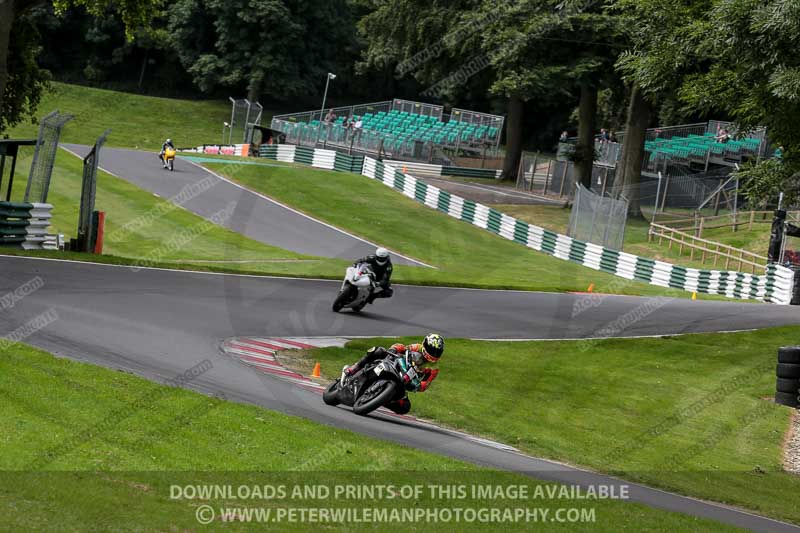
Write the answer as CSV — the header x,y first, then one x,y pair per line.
x,y
244,114
44,156
86,227
598,219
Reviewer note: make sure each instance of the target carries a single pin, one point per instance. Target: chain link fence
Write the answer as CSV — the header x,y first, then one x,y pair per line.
x,y
44,156
598,219
555,178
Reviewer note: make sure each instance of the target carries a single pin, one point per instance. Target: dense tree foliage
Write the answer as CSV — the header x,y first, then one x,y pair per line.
x,y
279,47
21,78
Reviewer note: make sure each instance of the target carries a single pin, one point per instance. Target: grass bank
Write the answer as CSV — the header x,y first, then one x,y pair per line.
x,y
685,413
87,448
463,254
136,121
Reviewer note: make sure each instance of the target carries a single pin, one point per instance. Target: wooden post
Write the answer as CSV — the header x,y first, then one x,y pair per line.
x,y
563,178
664,196
680,250
716,199
752,218
700,227
546,176
716,254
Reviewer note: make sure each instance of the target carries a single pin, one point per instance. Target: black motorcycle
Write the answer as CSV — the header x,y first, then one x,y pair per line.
x,y
373,386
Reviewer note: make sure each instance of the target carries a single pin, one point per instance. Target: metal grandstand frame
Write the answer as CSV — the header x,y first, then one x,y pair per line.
x,y
418,108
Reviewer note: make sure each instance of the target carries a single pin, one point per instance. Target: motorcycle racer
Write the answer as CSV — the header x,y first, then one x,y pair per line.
x,y
167,144
381,265
429,351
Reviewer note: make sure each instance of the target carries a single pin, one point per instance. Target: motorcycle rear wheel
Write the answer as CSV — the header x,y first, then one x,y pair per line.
x,y
331,394
372,399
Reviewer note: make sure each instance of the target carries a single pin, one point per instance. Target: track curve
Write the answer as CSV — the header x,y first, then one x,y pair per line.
x,y
157,323
255,216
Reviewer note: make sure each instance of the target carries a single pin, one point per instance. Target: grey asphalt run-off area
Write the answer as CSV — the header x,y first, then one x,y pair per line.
x,y
159,323
256,216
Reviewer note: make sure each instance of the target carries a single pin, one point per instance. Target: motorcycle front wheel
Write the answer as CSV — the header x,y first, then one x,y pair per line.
x,y
378,394
342,299
171,165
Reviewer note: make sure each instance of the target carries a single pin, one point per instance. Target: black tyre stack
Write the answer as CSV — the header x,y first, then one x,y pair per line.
x,y
787,387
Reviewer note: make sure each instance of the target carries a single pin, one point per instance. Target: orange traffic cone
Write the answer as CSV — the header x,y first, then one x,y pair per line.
x,y
591,288
315,372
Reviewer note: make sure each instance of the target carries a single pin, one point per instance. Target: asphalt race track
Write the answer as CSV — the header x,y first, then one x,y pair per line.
x,y
255,216
159,323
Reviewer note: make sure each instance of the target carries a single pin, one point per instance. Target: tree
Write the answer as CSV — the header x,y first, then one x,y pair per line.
x,y
763,183
663,35
20,76
280,47
753,74
21,81
520,51
736,58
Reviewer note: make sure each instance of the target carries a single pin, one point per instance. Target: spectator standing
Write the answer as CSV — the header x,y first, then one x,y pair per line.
x,y
564,137
358,127
331,116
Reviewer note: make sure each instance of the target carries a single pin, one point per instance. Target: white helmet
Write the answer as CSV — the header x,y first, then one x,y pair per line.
x,y
382,254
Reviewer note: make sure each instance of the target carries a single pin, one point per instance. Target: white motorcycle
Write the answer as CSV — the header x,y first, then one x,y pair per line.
x,y
357,287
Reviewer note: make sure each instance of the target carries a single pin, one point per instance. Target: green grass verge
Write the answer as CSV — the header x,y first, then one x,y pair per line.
x,y
463,254
557,219
87,448
136,121
685,413
144,229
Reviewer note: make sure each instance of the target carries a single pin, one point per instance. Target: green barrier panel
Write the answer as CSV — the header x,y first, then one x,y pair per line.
x,y
420,191
469,172
444,201
269,151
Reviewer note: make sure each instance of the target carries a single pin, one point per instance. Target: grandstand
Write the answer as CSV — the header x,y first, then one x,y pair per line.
x,y
693,145
397,129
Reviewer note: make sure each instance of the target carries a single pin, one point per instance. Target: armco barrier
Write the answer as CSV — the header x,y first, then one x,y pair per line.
x,y
24,225
775,286
437,171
